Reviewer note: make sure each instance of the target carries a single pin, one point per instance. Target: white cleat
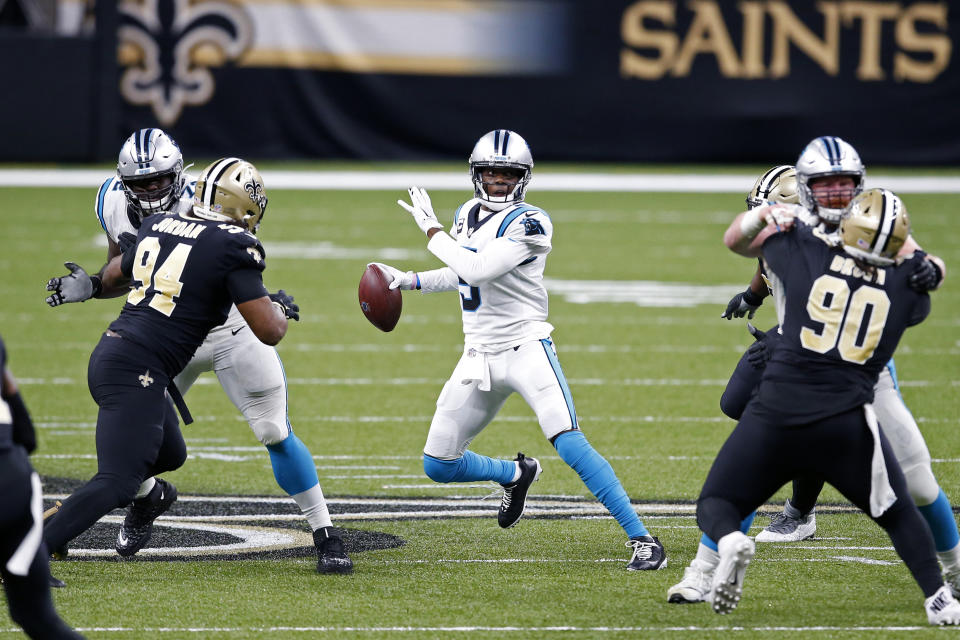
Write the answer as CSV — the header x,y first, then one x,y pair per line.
x,y
736,550
783,528
942,608
695,587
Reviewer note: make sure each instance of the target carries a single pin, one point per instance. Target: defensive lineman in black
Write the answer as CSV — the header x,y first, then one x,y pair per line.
x,y
846,308
185,270
23,556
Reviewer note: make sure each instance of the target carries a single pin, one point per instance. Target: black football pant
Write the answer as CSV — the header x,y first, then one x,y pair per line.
x,y
759,457
138,436
739,391
28,596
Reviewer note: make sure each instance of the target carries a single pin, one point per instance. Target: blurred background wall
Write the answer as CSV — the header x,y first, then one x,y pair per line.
x,y
600,80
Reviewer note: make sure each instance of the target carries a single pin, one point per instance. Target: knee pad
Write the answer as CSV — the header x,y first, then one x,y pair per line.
x,y
441,470
921,483
269,432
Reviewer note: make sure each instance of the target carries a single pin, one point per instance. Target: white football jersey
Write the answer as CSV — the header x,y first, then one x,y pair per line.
x,y
115,218
506,305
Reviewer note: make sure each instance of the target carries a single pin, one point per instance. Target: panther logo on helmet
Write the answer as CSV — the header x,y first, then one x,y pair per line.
x,y
501,149
825,157
875,227
231,190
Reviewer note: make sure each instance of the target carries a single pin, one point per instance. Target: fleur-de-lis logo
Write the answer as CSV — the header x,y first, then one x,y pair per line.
x,y
255,191
255,254
145,379
160,42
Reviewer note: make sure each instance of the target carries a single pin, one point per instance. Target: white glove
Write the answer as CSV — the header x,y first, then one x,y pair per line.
x,y
756,220
76,286
421,209
399,279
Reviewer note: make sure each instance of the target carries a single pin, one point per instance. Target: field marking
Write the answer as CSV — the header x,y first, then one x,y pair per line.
x,y
360,180
486,629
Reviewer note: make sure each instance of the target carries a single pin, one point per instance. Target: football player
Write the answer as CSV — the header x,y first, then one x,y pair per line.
x,y
169,317
150,178
829,174
844,313
24,563
495,254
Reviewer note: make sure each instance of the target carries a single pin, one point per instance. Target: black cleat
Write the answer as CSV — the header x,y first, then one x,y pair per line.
x,y
648,554
515,494
138,524
55,583
331,558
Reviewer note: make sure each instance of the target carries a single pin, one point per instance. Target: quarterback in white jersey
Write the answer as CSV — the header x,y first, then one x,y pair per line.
x,y
495,254
150,179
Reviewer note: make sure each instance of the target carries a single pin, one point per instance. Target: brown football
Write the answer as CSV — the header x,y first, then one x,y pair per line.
x,y
380,304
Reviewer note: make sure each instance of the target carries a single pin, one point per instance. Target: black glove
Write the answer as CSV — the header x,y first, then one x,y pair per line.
x,y
926,275
290,308
759,352
742,304
126,240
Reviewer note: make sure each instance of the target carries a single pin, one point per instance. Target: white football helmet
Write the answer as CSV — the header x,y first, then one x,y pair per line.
x,y
875,227
778,184
506,149
828,156
146,155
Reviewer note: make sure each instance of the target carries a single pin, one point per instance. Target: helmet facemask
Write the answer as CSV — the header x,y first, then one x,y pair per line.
x,y
147,156
824,157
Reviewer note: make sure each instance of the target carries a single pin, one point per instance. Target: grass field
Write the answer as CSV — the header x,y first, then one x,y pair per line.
x,y
646,375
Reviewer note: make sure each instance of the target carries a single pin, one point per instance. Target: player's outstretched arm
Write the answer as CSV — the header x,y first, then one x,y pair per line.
x,y
747,232
749,300
266,319
120,288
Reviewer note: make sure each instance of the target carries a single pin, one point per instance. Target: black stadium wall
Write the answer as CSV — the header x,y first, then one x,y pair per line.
x,y
610,80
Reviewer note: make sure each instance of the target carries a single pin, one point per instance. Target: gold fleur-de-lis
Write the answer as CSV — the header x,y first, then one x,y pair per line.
x,y
145,379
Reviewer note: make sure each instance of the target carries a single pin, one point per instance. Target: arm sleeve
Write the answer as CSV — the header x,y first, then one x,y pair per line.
x,y
497,258
435,280
245,285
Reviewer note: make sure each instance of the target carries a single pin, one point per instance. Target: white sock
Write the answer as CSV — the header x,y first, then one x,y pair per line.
x,y
950,559
145,487
706,557
516,473
314,507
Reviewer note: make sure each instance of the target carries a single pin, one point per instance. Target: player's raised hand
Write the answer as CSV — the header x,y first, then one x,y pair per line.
x,y
925,274
758,354
421,209
405,280
782,216
76,286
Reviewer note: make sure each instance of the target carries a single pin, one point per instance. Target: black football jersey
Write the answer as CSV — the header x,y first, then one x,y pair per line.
x,y
840,326
179,270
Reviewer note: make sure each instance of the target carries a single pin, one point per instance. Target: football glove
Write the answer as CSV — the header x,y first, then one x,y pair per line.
x,y
758,354
126,240
398,279
743,304
76,286
926,275
285,303
421,209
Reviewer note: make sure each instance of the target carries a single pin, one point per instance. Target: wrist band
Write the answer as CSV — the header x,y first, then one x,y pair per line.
x,y
97,283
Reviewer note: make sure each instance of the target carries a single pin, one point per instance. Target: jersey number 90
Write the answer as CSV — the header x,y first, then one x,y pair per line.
x,y
852,324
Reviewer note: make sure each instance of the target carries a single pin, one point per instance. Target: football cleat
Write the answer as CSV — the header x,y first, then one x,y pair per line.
x,y
942,608
736,550
331,558
696,584
648,554
515,494
952,578
783,528
138,524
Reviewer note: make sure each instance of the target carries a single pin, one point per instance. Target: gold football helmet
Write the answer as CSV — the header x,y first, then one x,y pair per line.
x,y
778,184
230,190
875,227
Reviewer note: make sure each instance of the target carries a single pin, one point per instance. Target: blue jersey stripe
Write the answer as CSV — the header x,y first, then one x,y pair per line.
x,y
564,387
892,368
100,198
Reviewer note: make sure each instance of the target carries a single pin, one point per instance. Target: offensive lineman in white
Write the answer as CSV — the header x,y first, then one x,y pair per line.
x,y
495,256
150,179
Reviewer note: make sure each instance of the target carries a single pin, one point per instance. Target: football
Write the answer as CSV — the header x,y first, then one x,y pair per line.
x,y
380,304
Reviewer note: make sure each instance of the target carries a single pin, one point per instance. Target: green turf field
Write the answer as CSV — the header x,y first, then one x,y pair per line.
x,y
646,379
